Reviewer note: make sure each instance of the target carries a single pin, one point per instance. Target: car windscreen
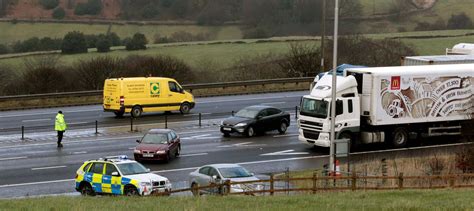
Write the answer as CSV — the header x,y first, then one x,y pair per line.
x,y
314,108
234,172
247,113
132,168
155,138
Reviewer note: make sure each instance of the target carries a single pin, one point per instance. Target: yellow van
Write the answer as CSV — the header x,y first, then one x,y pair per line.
x,y
145,94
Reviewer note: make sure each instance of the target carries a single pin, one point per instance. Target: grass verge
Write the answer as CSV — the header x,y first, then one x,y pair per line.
x,y
416,199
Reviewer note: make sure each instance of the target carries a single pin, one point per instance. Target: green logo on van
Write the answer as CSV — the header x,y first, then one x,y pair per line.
x,y
154,88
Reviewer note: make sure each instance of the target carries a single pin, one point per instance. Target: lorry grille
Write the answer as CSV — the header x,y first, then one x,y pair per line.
x,y
311,134
311,125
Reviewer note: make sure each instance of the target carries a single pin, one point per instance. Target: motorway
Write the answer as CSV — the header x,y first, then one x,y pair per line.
x,y
36,167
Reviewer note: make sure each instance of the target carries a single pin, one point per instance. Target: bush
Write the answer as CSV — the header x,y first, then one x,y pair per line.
x,y
43,80
49,4
114,39
29,45
103,44
461,21
4,49
465,159
92,7
59,13
74,42
150,11
90,75
137,42
91,40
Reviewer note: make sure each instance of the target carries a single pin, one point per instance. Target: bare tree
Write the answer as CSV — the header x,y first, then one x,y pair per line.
x,y
302,60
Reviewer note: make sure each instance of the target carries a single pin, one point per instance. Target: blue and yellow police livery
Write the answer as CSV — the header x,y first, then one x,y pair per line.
x,y
118,176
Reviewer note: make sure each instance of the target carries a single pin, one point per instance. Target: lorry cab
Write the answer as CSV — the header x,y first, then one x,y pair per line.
x,y
315,113
145,94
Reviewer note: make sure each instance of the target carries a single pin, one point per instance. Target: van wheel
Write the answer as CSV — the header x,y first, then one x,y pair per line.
x,y
185,108
119,113
136,111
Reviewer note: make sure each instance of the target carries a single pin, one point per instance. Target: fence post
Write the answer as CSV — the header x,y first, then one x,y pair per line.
x,y
22,132
400,181
131,124
296,112
199,119
166,121
232,113
271,185
315,182
452,181
96,127
227,187
384,171
354,181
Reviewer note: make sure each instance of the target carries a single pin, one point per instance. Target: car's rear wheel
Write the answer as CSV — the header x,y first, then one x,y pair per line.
x,y
136,111
250,131
130,191
283,127
86,190
185,108
194,189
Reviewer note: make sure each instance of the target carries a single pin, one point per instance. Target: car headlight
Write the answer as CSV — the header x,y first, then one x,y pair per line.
x,y
161,152
145,183
136,151
241,124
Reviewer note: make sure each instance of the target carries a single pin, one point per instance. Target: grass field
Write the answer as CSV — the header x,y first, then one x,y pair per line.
x,y
370,200
21,31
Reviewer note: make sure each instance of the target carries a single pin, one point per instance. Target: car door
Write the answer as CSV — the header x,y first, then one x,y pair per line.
x,y
111,184
97,170
171,144
214,173
202,177
274,118
262,121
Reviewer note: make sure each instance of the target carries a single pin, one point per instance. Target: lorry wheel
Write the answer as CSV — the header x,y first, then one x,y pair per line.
x,y
399,137
136,111
283,127
185,108
119,113
250,132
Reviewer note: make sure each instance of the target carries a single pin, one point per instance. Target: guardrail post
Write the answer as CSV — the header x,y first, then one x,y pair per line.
x,y
199,119
232,113
315,182
131,124
166,121
400,181
272,185
22,132
96,127
296,112
354,181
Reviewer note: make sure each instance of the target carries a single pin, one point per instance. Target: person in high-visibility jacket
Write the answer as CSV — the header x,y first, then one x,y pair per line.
x,y
60,126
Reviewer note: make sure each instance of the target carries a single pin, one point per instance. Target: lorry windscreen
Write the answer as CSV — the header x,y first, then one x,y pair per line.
x,y
314,108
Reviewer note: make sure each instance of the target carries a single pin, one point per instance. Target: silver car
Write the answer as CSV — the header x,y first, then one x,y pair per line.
x,y
218,174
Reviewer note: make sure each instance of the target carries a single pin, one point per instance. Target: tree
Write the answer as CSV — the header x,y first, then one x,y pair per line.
x,y
59,13
74,42
114,39
49,4
43,80
150,11
92,7
4,49
103,44
461,21
138,42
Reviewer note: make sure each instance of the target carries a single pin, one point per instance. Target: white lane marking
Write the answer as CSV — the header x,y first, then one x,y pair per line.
x,y
273,103
12,158
285,152
244,144
131,148
95,140
77,153
35,120
197,101
49,167
196,137
190,155
171,170
78,123
286,135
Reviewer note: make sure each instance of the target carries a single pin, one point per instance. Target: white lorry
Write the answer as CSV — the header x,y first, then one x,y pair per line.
x,y
461,49
389,104
437,59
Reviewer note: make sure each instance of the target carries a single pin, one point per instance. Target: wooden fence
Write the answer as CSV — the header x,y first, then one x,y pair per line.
x,y
317,183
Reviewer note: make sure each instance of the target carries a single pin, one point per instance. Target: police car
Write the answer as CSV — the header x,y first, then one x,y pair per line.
x,y
119,176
